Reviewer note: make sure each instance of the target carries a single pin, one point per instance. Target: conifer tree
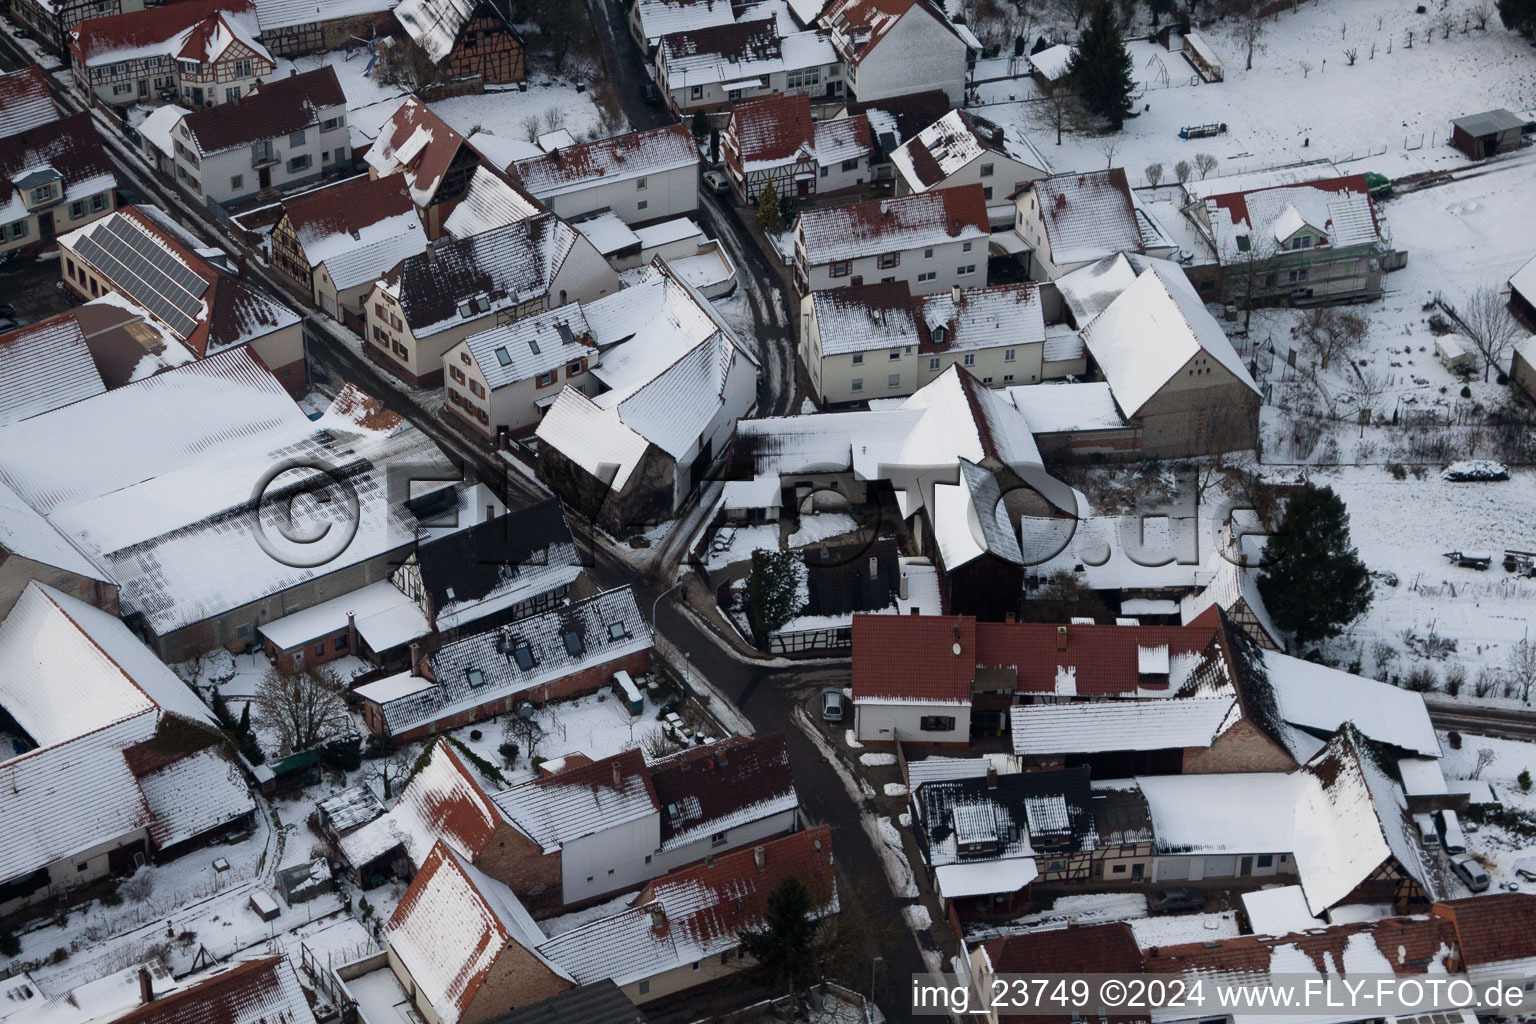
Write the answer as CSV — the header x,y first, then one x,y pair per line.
x,y
1314,584
1101,68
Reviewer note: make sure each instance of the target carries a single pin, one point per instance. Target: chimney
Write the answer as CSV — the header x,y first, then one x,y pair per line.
x,y
415,657
874,567
146,985
954,294
658,917
490,512
351,631
617,775
904,590
991,776
760,857
1061,638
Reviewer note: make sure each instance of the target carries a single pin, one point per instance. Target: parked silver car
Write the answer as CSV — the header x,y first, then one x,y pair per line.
x,y
1471,872
832,704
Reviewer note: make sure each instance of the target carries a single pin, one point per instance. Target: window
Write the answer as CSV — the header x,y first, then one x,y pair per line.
x,y
1294,276
642,204
965,247
1007,378
858,359
986,380
937,723
1243,243
76,211
616,631
298,163
341,643
970,359
477,389
242,69
640,184
1008,355
718,839
894,381
320,649
825,171
969,268
851,165
1117,869
237,182
98,203
1301,242
857,384
1056,864
895,353
933,364
544,380
330,124
986,193
325,157
573,369
986,170
927,254
888,260
503,357
1266,860
523,655
296,139
927,275
476,679
645,985
698,91
231,93
19,230
841,268
42,194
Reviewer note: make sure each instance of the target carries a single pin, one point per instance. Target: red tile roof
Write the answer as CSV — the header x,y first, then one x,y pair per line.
x,y
263,989
94,37
1409,944
278,108
1494,928
636,153
849,20
712,783
1237,202
347,206
1105,657
912,657
772,128
426,169
69,145
1102,948
25,101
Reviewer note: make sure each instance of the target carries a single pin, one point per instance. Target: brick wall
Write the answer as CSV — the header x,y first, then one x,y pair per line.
x,y
517,978
513,858
1242,748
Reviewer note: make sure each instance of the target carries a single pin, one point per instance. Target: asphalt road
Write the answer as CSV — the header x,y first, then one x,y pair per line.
x,y
1507,723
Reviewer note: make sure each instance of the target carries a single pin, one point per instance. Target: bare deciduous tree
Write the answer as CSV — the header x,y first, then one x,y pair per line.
x,y
1250,25
1109,145
1077,10
1182,171
1205,163
1306,67
1057,110
525,732
1522,667
1485,756
1487,320
304,709
531,127
1481,12
1154,173
1351,55
554,119
1331,333
1445,23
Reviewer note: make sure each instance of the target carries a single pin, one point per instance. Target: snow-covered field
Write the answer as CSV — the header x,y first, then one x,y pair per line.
x,y
1280,112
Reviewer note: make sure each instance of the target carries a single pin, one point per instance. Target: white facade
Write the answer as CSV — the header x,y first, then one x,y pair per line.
x,y
917,54
1198,867
753,832
926,269
877,721
737,401
282,163
620,857
895,372
638,199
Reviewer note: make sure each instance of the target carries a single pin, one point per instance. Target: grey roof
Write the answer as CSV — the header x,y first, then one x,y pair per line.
x,y
601,1002
490,666
1489,122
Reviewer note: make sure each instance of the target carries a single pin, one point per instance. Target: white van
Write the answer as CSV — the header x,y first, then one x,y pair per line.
x,y
1450,833
1429,836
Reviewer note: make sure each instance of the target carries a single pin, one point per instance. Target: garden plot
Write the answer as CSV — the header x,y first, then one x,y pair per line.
x,y
1302,101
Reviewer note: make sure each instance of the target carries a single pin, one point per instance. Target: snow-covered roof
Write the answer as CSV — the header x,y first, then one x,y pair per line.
x,y
25,102
68,669
417,143
276,14
526,348
1524,281
893,225
159,125
953,142
489,202
281,107
738,55
1322,699
357,229
194,795
982,318
866,318
1051,63
1087,215
1205,814
385,618
659,18
25,532
1117,725
201,30
507,265
697,912
599,163
583,800
442,802
477,670
451,927
858,26
499,150
1279,910
705,791
434,25
985,878
44,366
1260,221
776,130
1066,408
1421,776
1147,335
65,151
1088,291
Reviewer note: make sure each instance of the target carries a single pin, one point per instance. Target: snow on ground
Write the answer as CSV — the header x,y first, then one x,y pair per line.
x,y
877,760
1499,848
598,726
897,868
1172,929
1281,113
822,526
895,789
732,544
506,112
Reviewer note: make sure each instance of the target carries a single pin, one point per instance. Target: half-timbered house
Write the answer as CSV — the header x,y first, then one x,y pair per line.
x,y
436,161
50,20
774,140
466,38
293,27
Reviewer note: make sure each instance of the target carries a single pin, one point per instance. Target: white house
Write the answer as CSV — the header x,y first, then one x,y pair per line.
x,y
933,242
500,381
962,148
53,179
895,47
711,68
1071,220
893,702
283,134
642,177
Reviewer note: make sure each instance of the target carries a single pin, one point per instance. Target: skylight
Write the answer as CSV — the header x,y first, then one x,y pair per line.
x,y
523,654
503,357
574,645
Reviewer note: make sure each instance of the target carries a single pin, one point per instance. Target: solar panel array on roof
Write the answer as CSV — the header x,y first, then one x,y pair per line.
x,y
147,272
